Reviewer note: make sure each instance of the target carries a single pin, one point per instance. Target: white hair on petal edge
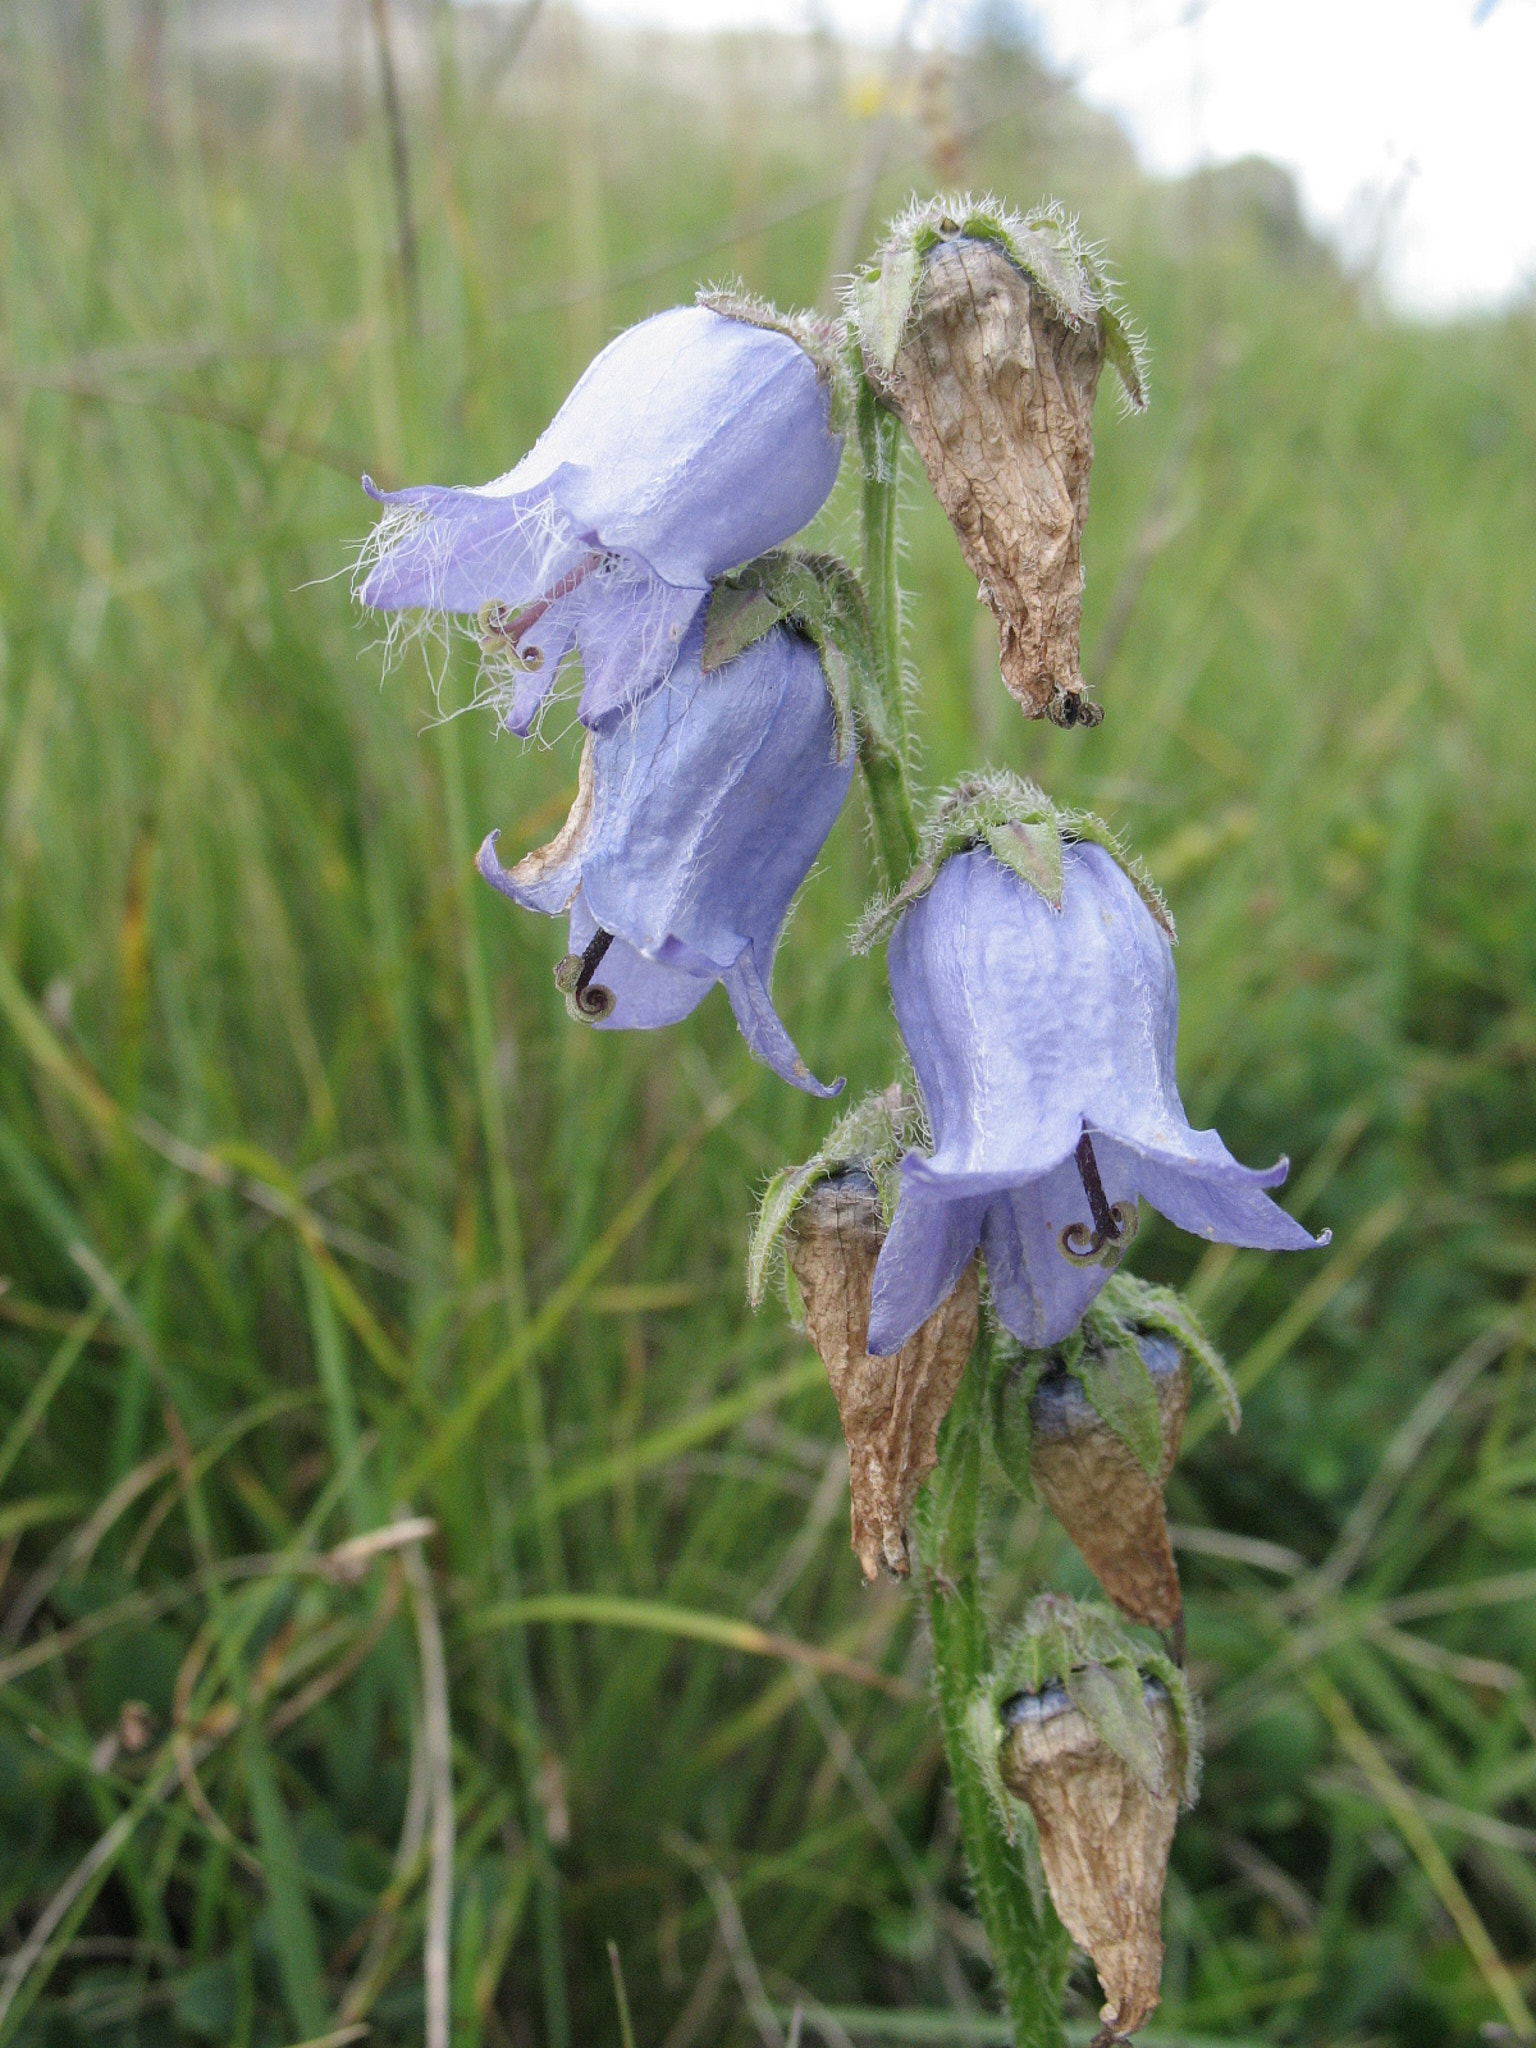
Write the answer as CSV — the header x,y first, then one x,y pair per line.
x,y
551,551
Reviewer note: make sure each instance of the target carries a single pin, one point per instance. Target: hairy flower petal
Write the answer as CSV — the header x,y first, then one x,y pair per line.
x,y
1029,1027
692,443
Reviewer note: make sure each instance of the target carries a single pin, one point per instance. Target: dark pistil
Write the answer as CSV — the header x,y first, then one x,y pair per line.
x,y
1113,1225
1093,1188
595,1002
591,960
501,624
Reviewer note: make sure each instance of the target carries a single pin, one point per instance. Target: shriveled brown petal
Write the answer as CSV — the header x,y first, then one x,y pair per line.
x,y
1104,1497
890,1408
997,393
569,843
1104,1842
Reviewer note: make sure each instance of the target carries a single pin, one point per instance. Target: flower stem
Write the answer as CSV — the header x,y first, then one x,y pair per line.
x,y
1030,1948
883,733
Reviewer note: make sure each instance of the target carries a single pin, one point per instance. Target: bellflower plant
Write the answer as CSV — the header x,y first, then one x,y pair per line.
x,y
729,684
698,815
1043,1042
696,440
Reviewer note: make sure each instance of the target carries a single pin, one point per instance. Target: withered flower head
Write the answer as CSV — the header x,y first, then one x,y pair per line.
x,y
1099,1743
832,1220
1099,1490
1102,1417
986,332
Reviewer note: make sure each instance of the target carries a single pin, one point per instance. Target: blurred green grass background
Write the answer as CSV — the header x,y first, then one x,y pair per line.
x,y
312,1202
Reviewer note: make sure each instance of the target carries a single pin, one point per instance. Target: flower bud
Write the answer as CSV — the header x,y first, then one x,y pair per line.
x,y
1105,1832
1102,1493
986,333
890,1408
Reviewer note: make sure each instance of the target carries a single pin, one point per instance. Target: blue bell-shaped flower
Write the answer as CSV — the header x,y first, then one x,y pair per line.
x,y
1043,1041
694,442
698,814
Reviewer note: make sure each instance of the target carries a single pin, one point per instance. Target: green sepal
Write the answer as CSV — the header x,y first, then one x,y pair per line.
x,y
1009,1432
1111,1697
736,620
1047,247
1032,848
822,597
1083,1646
1116,1381
1021,826
879,428
882,302
983,1737
1103,1354
1127,1307
872,1136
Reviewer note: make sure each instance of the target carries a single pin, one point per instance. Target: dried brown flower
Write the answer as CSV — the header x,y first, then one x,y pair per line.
x,y
890,1408
997,392
986,331
1105,1833
1102,1494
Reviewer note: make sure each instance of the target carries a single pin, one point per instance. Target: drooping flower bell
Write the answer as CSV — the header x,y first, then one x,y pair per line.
x,y
696,440
698,814
1043,1041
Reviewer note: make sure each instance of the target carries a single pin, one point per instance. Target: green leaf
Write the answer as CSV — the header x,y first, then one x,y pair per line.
x,y
20,1515
1118,1384
1111,1697
294,1933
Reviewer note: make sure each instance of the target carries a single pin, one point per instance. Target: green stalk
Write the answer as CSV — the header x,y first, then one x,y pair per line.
x,y
1030,1948
883,733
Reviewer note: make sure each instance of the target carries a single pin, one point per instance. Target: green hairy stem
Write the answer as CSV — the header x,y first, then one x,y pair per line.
x,y
1030,1948
883,742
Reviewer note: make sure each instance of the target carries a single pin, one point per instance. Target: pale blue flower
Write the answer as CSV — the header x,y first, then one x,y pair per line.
x,y
1043,1042
694,442
698,815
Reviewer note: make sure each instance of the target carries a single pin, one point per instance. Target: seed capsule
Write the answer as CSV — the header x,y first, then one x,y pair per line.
x,y
1104,1839
996,389
890,1408
1101,1493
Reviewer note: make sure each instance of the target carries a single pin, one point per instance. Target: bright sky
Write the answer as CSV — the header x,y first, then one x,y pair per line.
x,y
1410,125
